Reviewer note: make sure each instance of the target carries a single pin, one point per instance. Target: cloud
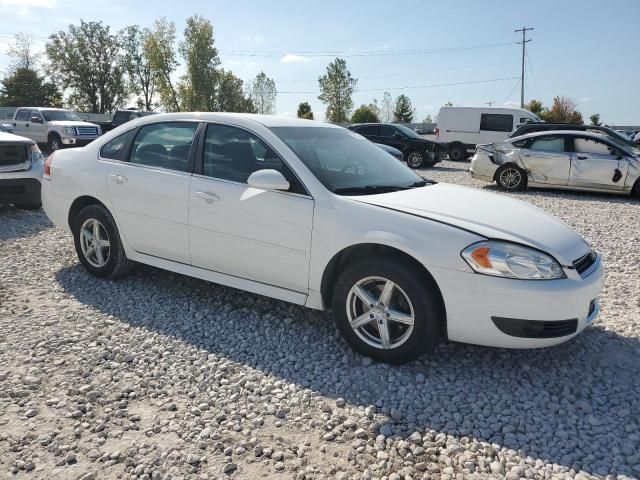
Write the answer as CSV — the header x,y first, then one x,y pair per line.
x,y
511,104
584,99
293,58
28,3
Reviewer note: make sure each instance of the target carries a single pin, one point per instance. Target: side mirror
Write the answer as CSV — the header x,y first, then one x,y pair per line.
x,y
36,119
268,179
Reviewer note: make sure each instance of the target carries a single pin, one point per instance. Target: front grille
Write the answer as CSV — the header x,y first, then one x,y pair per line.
x,y
536,328
17,167
87,131
12,155
583,263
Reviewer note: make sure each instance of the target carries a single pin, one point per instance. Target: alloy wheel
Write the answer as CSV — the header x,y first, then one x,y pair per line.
x,y
510,178
414,160
380,312
94,242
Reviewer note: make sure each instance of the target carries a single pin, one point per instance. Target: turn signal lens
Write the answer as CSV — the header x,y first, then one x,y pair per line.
x,y
481,257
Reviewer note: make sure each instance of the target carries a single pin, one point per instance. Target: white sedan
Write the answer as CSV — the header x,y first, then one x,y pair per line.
x,y
317,215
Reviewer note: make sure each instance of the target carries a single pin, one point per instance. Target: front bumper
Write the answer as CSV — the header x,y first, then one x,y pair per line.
x,y
473,301
76,142
22,186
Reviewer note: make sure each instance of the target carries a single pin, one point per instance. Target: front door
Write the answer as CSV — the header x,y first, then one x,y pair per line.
x,y
38,129
150,190
21,122
597,164
260,235
547,160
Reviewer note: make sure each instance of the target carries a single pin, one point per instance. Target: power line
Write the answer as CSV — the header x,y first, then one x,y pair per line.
x,y
535,83
512,90
524,42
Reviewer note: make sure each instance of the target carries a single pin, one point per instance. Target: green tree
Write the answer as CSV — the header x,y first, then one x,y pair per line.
x,y
141,76
230,95
403,111
201,57
535,107
365,114
427,119
159,50
336,88
595,120
87,60
25,87
304,111
386,108
262,91
448,104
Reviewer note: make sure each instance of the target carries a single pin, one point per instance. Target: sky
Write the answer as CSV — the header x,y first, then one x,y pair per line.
x,y
459,51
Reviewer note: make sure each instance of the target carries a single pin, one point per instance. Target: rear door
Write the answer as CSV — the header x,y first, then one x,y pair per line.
x,y
371,132
149,188
595,163
547,159
495,127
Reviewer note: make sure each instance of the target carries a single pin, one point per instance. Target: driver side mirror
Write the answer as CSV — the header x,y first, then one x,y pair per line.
x,y
268,179
35,119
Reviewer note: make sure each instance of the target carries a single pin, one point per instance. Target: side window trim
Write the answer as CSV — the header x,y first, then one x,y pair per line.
x,y
199,161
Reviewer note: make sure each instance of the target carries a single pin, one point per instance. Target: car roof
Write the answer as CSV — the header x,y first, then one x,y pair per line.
x,y
266,120
42,108
6,137
582,133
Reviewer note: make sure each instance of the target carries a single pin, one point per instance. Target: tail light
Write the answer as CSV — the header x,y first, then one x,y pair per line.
x,y
437,132
47,167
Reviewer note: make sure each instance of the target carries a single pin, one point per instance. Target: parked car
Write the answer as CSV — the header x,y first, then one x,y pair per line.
x,y
121,117
21,166
416,151
462,128
6,127
310,213
420,131
546,127
55,127
566,159
394,152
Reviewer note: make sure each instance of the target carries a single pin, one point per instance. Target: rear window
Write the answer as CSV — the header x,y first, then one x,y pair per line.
x,y
13,154
548,144
496,122
369,130
114,149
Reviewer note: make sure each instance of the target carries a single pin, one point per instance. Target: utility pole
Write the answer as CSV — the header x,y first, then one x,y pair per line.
x,y
524,31
489,103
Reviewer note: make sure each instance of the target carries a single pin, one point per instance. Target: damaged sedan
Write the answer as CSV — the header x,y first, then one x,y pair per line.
x,y
574,160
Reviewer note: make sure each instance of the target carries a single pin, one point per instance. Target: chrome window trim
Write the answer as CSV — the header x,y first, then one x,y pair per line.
x,y
245,185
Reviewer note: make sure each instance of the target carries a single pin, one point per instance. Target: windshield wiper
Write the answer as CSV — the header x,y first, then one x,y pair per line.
x,y
378,188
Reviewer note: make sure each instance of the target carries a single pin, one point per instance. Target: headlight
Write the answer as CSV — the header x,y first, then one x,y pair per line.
x,y
36,155
509,260
69,131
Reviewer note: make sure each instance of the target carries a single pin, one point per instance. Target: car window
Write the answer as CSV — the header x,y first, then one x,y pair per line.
x,y
165,145
114,149
548,144
495,122
593,146
231,153
34,113
387,131
369,130
525,120
22,115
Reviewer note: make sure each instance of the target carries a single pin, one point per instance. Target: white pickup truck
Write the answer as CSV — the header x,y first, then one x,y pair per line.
x,y
55,127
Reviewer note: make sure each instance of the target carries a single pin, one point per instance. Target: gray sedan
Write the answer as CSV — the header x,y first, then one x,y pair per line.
x,y
573,160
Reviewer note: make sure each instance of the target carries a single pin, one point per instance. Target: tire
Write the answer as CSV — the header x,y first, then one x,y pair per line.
x,y
28,206
54,143
414,159
511,178
404,342
636,189
457,152
111,261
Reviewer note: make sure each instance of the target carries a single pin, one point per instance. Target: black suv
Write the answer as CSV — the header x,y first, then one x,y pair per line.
x,y
545,127
416,151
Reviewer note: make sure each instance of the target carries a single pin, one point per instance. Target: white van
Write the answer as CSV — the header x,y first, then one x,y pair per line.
x,y
462,128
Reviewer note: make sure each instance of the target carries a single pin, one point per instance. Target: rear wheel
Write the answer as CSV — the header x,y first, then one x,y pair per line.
x,y
98,243
414,159
386,310
457,152
510,177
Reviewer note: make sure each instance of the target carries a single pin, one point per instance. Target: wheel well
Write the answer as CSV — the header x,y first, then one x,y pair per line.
x,y
53,134
456,144
503,166
80,203
356,252
635,190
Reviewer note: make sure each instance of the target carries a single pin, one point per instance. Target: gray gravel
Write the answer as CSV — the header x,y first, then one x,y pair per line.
x,y
159,376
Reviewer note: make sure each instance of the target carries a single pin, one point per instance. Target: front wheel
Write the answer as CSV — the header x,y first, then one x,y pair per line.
x,y
510,177
414,159
54,143
386,310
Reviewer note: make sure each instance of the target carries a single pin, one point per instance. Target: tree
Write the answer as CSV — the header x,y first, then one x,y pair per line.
x,y
535,107
428,119
141,78
336,88
262,91
365,114
201,57
563,110
304,111
386,108
159,50
88,61
595,120
26,87
403,111
22,54
230,95
448,104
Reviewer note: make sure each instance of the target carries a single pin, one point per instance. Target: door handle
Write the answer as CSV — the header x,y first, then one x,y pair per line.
x,y
581,157
14,124
208,197
27,125
119,179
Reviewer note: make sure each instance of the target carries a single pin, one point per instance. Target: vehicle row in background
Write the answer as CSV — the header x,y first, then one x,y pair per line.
x,y
21,166
416,150
121,117
565,159
546,127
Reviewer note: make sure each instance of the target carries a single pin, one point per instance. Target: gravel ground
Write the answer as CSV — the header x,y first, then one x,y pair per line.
x,y
162,376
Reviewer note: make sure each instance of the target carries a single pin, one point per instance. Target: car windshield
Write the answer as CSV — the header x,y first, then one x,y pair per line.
x,y
622,145
407,131
54,115
347,163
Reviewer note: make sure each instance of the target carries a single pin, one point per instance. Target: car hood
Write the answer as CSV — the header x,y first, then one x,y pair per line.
x,y
72,123
487,214
7,138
